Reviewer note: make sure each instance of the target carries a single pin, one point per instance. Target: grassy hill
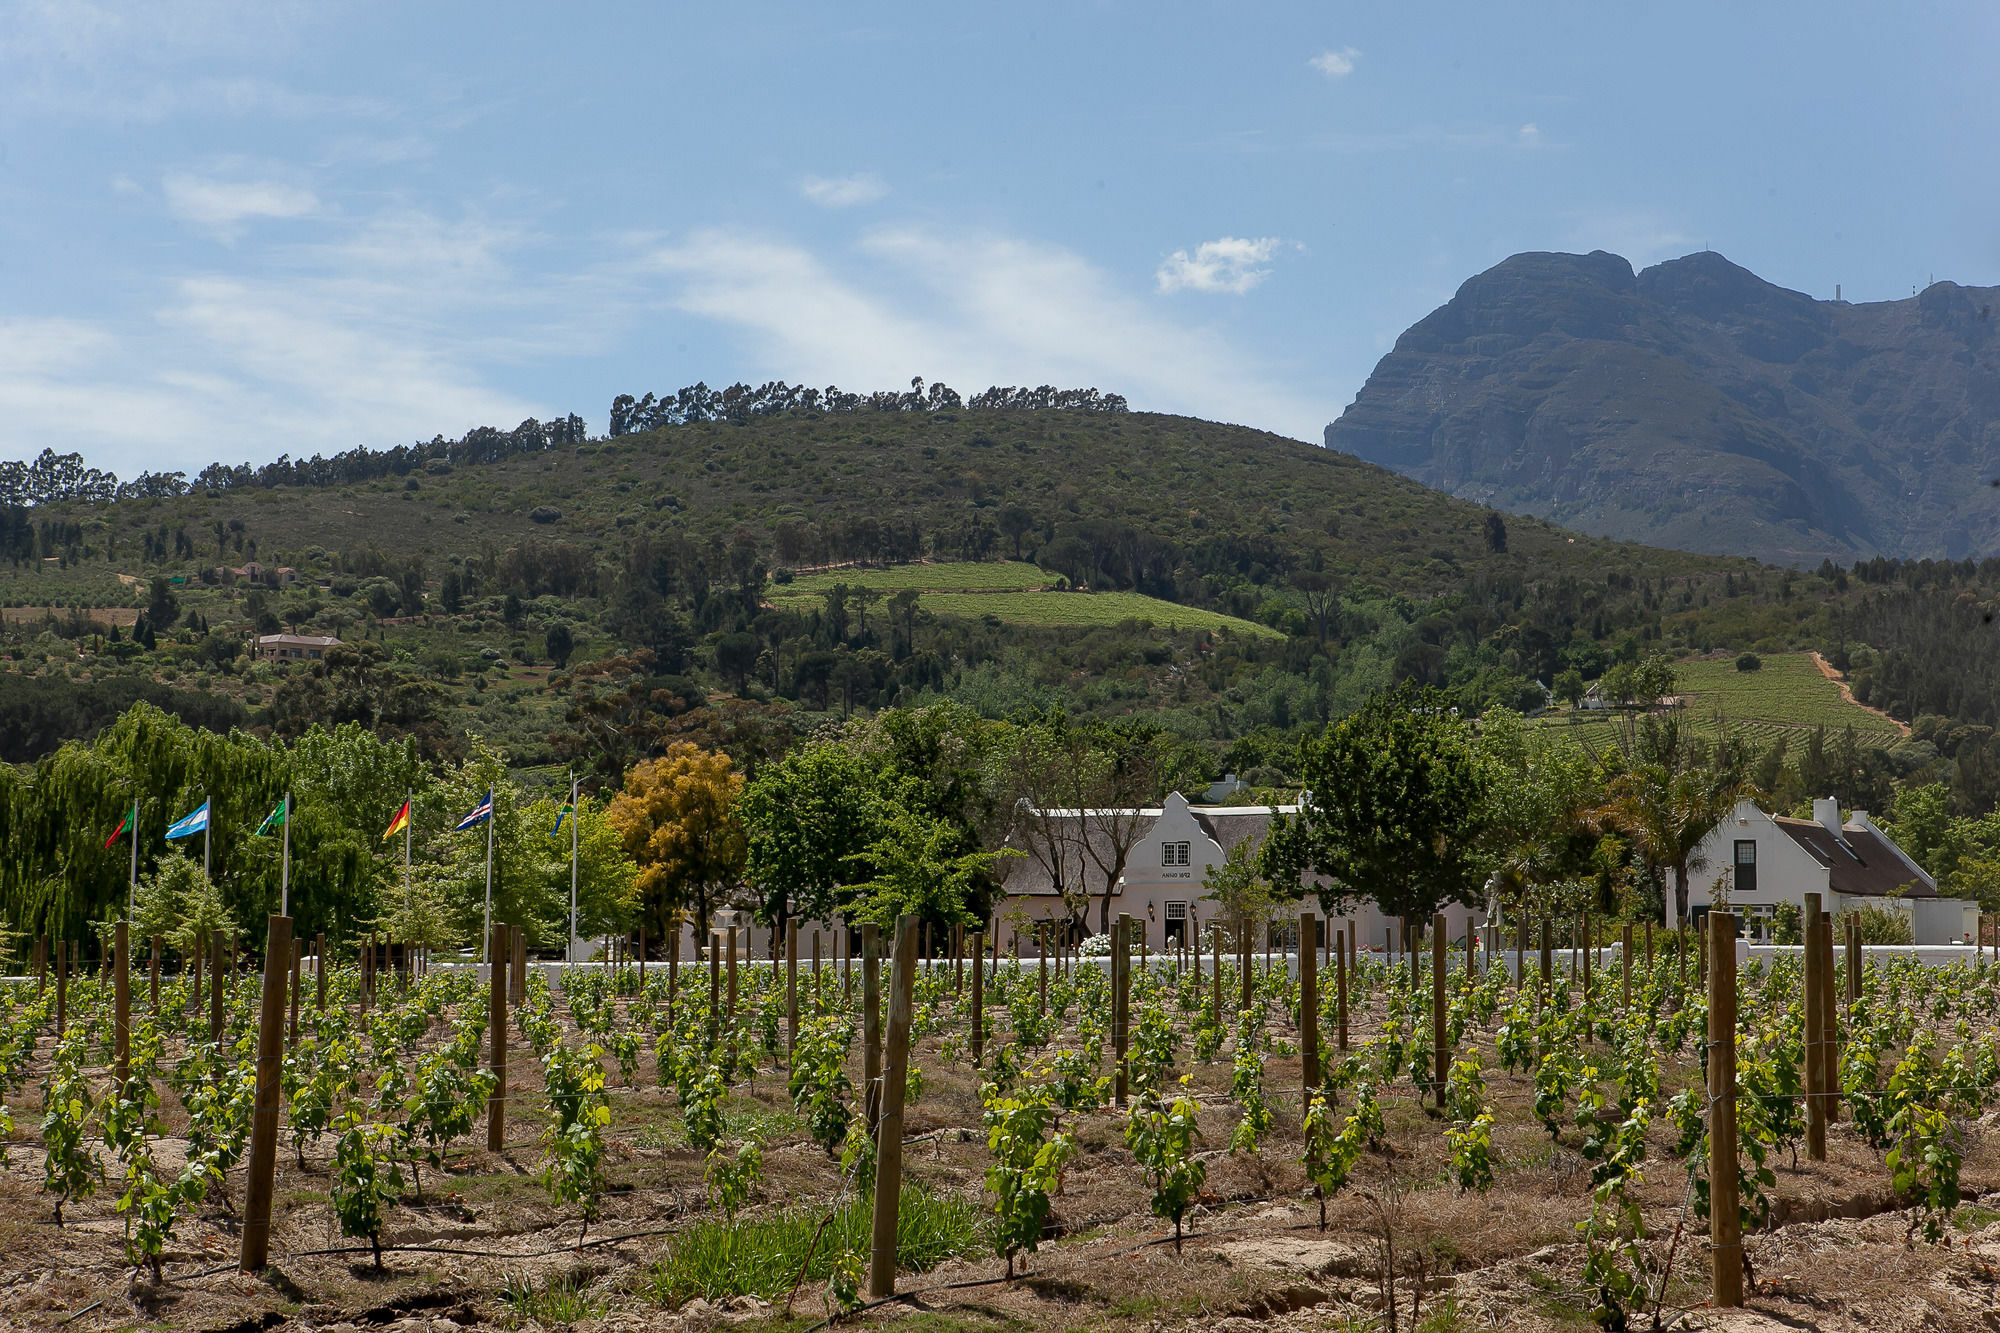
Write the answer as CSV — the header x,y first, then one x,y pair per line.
x,y
1011,592
1787,697
1221,496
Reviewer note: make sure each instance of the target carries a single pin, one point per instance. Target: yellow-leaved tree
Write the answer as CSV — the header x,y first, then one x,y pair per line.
x,y
678,818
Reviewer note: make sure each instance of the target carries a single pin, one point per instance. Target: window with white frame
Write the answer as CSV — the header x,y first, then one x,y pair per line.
x,y
1175,853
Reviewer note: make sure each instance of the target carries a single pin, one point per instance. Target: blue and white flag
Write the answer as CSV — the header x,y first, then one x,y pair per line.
x,y
188,825
478,816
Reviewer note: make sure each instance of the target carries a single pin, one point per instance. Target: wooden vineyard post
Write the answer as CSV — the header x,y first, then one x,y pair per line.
x,y
642,960
889,1129
1340,979
1829,1023
1853,963
215,988
1243,948
1589,948
1701,955
979,999
517,984
1725,1230
1042,961
871,1022
1308,1007
1649,952
1194,949
1548,959
1521,955
730,1011
298,972
256,1252
791,990
319,970
1215,947
121,993
496,1020
1625,960
1121,996
1814,1036
674,964
156,975
41,964
62,987
714,986
1440,1033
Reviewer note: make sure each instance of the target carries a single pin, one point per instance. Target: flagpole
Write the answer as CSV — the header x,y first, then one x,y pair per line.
x,y
285,866
206,821
409,798
570,948
132,899
488,932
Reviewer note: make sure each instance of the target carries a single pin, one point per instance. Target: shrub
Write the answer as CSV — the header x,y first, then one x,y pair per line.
x,y
1879,925
1749,662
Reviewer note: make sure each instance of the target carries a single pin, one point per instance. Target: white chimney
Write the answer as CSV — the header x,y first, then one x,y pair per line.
x,y
1826,810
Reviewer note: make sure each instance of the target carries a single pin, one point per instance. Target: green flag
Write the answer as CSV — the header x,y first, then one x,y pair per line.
x,y
276,819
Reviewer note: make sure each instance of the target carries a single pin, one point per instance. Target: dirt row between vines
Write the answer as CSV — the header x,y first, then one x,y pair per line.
x,y
1509,1259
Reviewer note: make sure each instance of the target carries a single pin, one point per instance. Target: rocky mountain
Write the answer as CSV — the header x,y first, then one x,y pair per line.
x,y
1695,405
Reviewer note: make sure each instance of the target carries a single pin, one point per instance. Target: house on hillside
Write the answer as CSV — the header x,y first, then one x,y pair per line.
x,y
1760,860
293,647
284,576
1162,887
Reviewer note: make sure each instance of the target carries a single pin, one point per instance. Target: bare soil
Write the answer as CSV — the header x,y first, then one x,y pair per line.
x,y
1837,1256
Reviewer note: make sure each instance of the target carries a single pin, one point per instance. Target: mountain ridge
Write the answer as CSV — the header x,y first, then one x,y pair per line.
x,y
1694,404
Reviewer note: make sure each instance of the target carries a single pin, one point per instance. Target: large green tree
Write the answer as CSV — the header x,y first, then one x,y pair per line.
x,y
809,819
1394,811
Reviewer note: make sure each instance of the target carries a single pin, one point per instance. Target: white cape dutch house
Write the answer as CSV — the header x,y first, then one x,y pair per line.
x,y
1174,848
1760,860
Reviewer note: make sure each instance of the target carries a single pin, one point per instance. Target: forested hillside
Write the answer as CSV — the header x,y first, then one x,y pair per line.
x,y
737,565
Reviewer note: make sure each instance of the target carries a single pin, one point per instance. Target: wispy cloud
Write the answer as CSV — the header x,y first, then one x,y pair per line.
x,y
392,328
222,205
973,310
1232,264
844,191
110,61
1336,64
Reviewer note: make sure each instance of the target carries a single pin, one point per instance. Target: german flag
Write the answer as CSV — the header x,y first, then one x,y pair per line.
x,y
398,824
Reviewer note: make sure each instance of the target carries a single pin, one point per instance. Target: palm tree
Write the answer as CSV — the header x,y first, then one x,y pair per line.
x,y
1667,812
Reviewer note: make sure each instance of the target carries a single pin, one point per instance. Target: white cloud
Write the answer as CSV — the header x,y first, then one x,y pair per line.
x,y
971,310
388,332
221,205
1231,264
1336,64
1529,135
844,191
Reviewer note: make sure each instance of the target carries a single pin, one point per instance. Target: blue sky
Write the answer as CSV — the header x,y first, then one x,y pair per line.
x,y
238,230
